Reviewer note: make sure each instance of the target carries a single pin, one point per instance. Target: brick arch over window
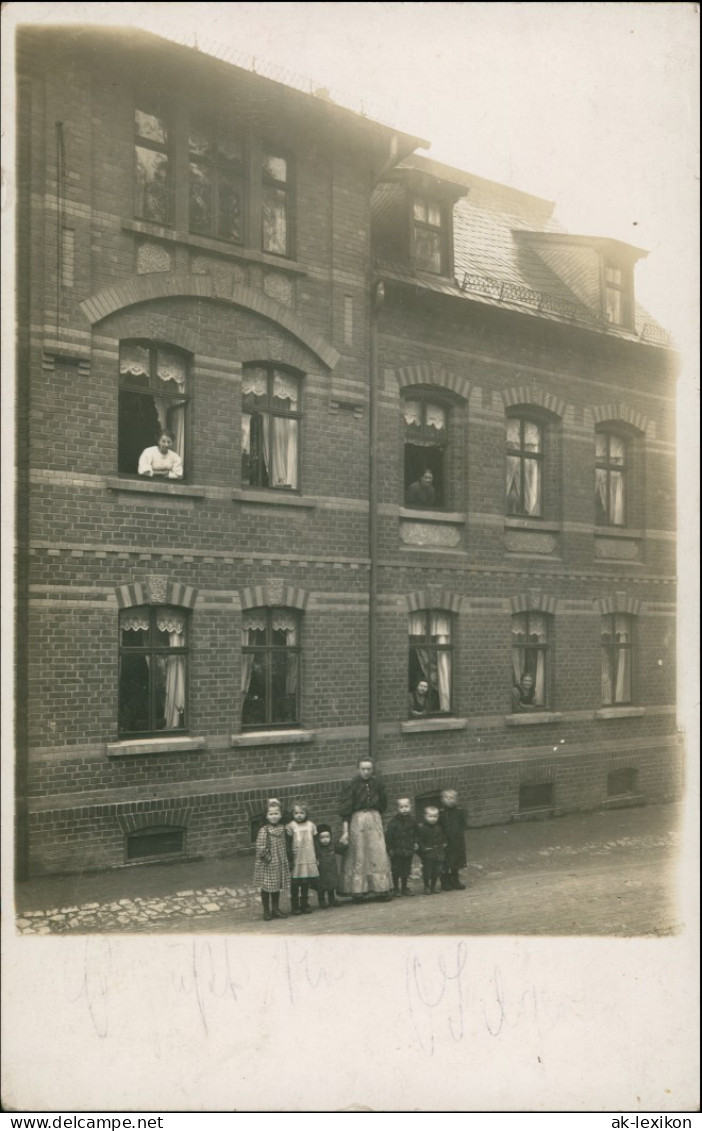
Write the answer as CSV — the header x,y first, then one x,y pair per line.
x,y
535,396
178,816
267,352
433,599
621,414
274,594
156,590
150,288
432,374
159,328
618,603
534,603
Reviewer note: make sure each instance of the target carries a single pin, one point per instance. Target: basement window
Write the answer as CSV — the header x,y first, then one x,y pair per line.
x,y
155,842
538,795
621,782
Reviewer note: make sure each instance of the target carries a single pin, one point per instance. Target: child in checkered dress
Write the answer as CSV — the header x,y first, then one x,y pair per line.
x,y
271,870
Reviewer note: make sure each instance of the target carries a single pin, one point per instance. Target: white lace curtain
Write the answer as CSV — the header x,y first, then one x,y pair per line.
x,y
530,660
255,622
435,662
135,361
526,439
616,660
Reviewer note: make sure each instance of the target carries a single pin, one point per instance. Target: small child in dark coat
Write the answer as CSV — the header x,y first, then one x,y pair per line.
x,y
328,880
453,822
432,849
401,843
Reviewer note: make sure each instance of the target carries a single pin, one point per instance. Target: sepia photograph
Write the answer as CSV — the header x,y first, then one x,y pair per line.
x,y
346,424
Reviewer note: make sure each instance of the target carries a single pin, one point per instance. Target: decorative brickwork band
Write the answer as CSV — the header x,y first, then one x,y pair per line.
x,y
609,413
147,288
433,599
156,591
534,602
618,603
276,594
534,395
431,373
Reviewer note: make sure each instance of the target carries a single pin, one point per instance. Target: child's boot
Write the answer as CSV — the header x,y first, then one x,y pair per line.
x,y
405,889
322,899
266,901
276,913
332,899
446,882
305,901
456,882
295,901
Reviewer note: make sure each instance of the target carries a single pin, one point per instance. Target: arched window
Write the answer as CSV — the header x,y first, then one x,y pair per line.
x,y
153,670
616,658
426,430
530,661
524,471
270,668
610,479
430,662
270,428
153,400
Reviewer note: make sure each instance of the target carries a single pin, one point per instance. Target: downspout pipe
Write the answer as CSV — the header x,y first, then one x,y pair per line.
x,y
377,299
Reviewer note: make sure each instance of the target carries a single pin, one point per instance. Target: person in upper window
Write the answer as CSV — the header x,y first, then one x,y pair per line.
x,y
419,700
421,493
523,694
161,460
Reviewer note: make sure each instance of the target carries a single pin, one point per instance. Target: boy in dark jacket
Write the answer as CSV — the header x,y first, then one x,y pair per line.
x,y
453,822
432,849
401,843
326,854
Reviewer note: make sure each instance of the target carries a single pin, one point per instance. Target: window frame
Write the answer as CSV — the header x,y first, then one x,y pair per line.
x,y
605,464
620,288
614,649
545,649
268,650
266,149
427,399
426,200
184,400
150,652
165,149
523,454
270,413
435,649
216,134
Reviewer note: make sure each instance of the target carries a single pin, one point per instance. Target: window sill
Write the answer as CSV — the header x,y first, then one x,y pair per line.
x,y
273,738
207,243
620,712
421,726
137,746
417,514
514,522
274,498
155,487
539,718
617,532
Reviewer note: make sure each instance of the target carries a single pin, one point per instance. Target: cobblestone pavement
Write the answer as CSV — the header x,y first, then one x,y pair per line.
x,y
600,873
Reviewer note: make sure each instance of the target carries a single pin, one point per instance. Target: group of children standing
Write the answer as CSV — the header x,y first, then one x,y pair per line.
x,y
303,856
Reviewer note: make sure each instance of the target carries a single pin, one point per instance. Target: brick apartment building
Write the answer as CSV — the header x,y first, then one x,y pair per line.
x,y
317,317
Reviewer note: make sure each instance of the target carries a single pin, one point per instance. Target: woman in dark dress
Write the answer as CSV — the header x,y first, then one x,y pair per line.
x,y
366,865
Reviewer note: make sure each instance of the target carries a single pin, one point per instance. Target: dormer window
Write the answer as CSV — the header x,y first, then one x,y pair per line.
x,y
617,294
429,235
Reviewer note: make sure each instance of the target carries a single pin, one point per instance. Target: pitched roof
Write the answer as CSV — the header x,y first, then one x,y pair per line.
x,y
502,240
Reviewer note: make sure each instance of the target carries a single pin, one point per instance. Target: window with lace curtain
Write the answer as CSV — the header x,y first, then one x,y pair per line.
x,y
610,479
530,660
153,399
524,471
425,423
430,663
153,670
270,424
270,668
430,239
616,659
